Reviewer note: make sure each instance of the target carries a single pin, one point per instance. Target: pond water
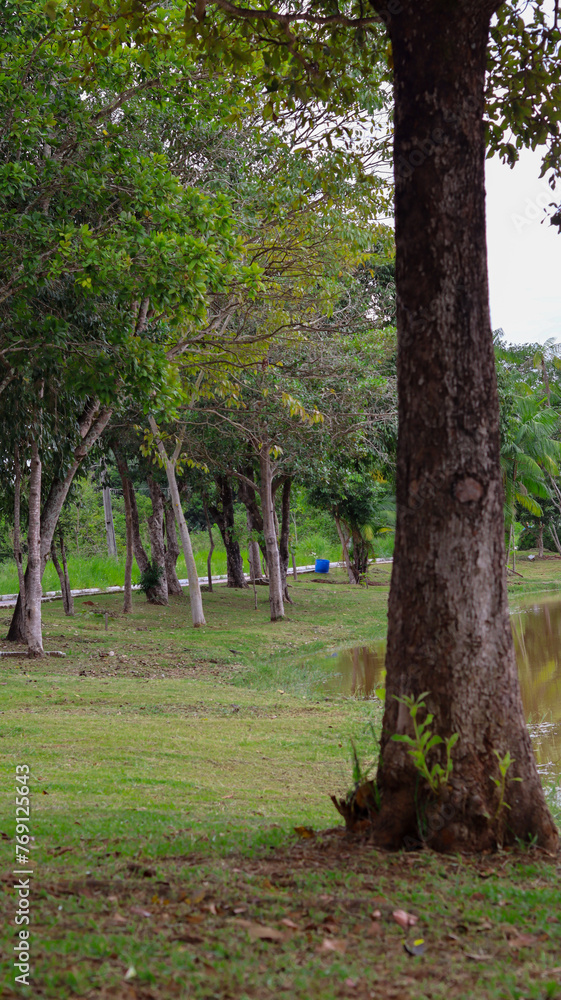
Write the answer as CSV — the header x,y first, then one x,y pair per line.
x,y
537,639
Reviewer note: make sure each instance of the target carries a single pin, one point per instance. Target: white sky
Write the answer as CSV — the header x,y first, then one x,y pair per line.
x,y
524,255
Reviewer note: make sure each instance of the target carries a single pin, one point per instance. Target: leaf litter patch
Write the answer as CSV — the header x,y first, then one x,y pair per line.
x,y
321,918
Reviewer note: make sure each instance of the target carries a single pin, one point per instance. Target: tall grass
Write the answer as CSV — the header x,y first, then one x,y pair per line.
x,y
103,571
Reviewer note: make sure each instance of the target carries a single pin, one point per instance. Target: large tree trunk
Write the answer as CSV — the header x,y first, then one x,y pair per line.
x,y
223,514
449,631
267,507
92,423
33,591
172,553
195,596
158,594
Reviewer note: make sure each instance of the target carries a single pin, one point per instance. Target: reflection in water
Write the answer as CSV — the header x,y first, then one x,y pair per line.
x,y
537,639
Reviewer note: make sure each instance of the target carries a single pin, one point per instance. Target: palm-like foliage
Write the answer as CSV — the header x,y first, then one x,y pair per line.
x,y
530,454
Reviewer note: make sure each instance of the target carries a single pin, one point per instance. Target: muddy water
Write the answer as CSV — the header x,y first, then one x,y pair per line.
x,y
537,638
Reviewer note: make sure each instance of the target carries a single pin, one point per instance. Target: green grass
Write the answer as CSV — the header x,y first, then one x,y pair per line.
x,y
167,781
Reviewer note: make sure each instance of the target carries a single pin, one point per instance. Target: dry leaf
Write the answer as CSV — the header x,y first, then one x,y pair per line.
x,y
404,919
518,939
259,933
374,929
304,832
478,956
140,912
194,918
289,923
211,908
333,944
131,972
118,918
351,984
375,915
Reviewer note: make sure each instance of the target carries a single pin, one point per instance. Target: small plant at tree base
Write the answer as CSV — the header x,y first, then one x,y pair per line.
x,y
150,578
505,763
423,742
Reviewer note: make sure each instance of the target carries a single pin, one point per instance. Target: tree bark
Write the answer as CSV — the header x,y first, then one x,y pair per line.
x,y
449,631
223,514
267,507
172,553
540,540
92,424
195,595
33,591
158,594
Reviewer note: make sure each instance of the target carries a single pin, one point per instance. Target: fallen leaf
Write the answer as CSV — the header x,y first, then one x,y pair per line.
x,y
477,895
304,832
131,972
333,944
140,912
259,933
351,984
240,909
374,929
478,956
519,939
376,914
211,907
194,918
118,918
289,923
487,873
404,919
188,938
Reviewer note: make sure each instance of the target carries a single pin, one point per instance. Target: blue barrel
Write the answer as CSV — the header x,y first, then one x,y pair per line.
x,y
322,565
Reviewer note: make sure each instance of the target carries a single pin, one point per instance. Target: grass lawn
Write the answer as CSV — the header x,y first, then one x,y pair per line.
x,y
169,770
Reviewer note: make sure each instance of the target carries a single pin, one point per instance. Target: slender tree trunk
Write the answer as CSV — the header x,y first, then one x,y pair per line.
x,y
273,560
211,550
248,497
159,593
69,609
223,514
172,553
140,553
18,555
91,426
540,540
449,630
195,595
127,602
284,552
62,573
33,591
108,511
345,548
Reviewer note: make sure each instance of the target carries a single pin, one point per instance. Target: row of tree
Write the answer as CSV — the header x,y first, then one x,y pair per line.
x,y
175,272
